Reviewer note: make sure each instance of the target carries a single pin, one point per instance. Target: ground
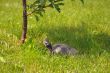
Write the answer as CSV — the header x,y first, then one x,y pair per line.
x,y
85,27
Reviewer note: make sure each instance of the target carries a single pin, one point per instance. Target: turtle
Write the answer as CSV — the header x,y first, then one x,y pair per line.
x,y
59,48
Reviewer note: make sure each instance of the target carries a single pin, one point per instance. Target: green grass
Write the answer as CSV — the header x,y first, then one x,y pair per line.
x,y
84,27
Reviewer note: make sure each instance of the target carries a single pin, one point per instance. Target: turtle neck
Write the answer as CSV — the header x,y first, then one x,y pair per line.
x,y
49,47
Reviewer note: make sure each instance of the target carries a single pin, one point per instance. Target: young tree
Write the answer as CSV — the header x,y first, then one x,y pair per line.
x,y
37,8
24,26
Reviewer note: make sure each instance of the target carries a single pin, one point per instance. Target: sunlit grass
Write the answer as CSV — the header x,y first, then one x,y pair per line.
x,y
84,27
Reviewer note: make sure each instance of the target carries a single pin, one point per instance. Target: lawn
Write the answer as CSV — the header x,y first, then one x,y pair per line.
x,y
85,27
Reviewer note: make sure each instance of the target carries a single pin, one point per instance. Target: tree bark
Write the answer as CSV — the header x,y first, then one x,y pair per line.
x,y
24,26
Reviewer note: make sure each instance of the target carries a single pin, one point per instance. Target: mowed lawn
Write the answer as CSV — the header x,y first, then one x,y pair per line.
x,y
85,27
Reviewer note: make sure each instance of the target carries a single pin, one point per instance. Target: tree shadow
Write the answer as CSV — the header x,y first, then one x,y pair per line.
x,y
80,38
103,40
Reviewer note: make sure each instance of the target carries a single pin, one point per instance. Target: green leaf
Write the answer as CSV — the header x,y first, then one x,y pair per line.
x,y
56,6
82,1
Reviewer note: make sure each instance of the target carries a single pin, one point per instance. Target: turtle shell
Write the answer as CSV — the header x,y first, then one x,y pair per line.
x,y
63,49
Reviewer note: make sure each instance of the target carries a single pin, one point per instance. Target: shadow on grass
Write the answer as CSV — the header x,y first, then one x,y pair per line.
x,y
81,39
78,37
103,39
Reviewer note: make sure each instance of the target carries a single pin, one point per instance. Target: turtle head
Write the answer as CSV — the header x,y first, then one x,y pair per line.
x,y
47,44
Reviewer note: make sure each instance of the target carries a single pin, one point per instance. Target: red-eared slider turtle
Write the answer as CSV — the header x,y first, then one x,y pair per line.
x,y
60,48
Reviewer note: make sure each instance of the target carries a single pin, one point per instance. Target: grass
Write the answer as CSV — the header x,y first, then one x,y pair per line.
x,y
84,27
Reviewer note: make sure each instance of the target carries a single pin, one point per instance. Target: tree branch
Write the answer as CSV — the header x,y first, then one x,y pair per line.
x,y
50,5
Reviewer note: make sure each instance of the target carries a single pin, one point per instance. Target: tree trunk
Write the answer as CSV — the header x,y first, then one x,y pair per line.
x,y
24,27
